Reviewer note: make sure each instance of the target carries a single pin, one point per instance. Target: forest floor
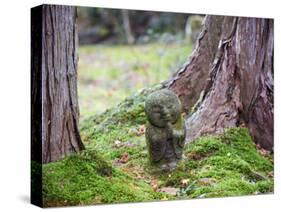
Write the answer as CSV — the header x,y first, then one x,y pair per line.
x,y
115,168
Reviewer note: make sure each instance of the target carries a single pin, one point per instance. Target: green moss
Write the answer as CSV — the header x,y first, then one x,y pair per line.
x,y
87,179
119,123
239,140
214,166
228,187
265,186
226,165
229,164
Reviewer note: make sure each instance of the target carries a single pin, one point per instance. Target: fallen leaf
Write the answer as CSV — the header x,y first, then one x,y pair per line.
x,y
138,174
141,130
154,185
242,125
124,158
185,182
270,174
195,156
262,151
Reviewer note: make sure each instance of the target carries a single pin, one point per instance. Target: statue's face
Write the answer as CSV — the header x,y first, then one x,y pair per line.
x,y
162,107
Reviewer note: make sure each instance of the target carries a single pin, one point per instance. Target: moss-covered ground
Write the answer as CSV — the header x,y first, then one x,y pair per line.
x,y
114,167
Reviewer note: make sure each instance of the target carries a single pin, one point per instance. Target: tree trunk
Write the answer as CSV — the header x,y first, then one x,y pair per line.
x,y
127,27
228,80
60,133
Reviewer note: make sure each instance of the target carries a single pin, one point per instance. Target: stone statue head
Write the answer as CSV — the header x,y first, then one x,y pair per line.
x,y
162,107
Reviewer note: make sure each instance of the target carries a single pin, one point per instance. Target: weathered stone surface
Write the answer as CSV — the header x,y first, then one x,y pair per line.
x,y
169,190
165,130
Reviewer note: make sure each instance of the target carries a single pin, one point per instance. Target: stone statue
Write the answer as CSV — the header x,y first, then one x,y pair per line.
x,y
165,130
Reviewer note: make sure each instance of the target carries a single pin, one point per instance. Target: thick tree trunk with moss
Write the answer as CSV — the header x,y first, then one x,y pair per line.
x,y
60,133
228,80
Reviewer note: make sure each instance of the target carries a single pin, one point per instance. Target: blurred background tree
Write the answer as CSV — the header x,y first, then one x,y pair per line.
x,y
122,51
128,26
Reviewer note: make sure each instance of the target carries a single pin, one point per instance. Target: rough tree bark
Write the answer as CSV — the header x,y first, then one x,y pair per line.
x,y
228,80
60,133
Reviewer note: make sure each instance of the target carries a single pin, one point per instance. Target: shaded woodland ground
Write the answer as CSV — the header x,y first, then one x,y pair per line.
x,y
114,167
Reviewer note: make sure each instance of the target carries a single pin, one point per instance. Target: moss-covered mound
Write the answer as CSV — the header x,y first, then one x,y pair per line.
x,y
87,179
115,166
225,165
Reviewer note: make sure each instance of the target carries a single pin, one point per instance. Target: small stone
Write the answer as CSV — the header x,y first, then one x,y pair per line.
x,y
117,144
205,181
169,190
258,176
